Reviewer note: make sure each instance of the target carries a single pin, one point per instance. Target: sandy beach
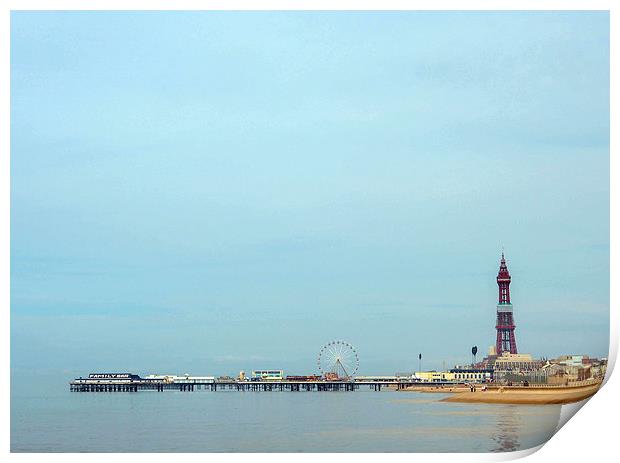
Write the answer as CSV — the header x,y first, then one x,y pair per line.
x,y
507,395
438,389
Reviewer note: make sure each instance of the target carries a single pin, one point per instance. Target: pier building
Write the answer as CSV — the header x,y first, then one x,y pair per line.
x,y
183,379
268,375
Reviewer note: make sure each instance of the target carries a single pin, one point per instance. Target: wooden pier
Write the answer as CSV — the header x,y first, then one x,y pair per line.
x,y
241,386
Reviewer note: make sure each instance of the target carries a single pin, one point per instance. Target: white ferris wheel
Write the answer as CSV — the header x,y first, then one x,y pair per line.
x,y
338,358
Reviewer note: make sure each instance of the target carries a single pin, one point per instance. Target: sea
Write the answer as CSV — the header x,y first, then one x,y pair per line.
x,y
47,417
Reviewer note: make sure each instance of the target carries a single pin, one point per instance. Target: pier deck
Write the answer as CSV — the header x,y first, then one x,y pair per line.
x,y
160,386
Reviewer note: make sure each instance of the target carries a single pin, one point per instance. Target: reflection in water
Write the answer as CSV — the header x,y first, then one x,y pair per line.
x,y
506,434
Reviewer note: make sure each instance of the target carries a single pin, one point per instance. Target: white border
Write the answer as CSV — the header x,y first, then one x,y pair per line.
x,y
311,5
589,437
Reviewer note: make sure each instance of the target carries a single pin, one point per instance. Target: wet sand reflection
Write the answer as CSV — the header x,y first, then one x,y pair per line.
x,y
512,427
506,436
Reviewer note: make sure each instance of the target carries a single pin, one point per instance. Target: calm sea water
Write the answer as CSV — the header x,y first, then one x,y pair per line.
x,y
49,418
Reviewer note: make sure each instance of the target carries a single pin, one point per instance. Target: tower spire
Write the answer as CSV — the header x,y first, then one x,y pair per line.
x,y
505,325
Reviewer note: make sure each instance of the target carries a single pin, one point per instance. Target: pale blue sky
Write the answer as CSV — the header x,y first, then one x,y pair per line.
x,y
209,192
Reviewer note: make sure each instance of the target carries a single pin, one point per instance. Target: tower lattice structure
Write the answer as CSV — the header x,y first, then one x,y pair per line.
x,y
505,325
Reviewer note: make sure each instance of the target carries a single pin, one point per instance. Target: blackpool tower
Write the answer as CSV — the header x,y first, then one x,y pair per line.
x,y
505,325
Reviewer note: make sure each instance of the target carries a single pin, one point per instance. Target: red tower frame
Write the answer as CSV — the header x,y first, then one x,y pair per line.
x,y
505,325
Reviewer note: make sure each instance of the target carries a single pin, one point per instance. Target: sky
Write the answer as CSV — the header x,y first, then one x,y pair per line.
x,y
210,192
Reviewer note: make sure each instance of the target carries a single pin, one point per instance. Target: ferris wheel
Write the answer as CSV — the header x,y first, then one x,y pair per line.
x,y
338,358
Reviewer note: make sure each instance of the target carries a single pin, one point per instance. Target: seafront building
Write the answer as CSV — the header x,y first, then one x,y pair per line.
x,y
571,368
508,362
472,374
433,376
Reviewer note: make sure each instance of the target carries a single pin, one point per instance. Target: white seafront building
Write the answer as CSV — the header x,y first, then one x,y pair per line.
x,y
182,379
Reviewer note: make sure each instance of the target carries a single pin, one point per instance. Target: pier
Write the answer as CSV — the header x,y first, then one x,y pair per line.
x,y
85,385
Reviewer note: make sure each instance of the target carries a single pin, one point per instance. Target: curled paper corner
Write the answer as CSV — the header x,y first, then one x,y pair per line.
x,y
525,453
569,410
